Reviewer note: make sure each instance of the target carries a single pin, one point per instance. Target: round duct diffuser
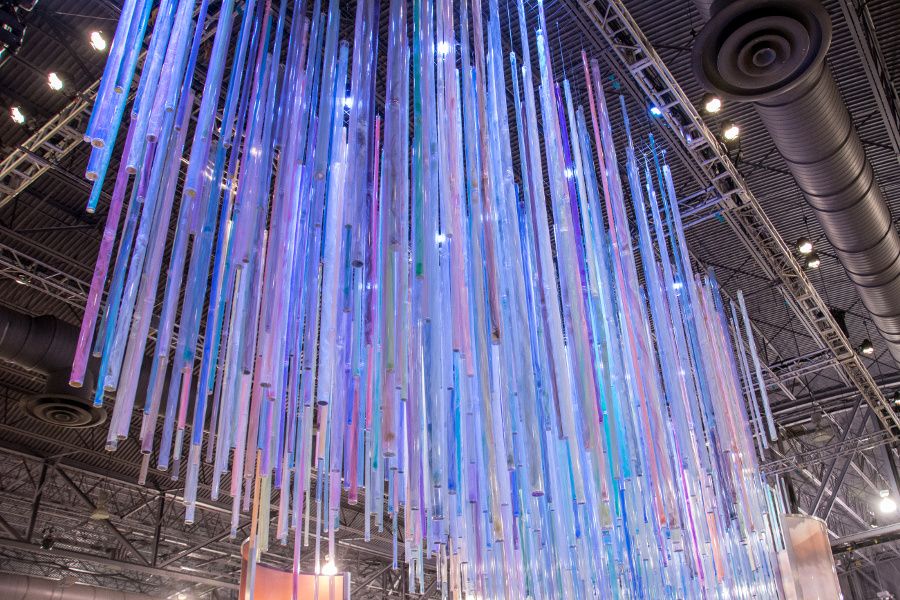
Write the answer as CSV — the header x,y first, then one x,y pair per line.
x,y
64,406
753,49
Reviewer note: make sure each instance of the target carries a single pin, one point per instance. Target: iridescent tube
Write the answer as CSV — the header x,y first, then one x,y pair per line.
x,y
140,327
773,433
140,110
393,198
98,163
172,71
121,40
749,391
328,338
135,265
98,281
209,100
554,409
119,272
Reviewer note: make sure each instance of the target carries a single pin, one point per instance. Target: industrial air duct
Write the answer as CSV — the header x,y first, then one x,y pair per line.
x,y
25,587
772,53
47,345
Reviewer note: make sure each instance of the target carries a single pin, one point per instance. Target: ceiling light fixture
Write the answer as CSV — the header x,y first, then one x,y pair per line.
x,y
887,505
866,347
731,132
101,511
54,81
98,42
17,115
712,103
804,246
655,111
47,539
329,568
813,261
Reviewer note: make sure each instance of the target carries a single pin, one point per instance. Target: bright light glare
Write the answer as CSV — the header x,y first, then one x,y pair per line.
x,y
813,261
654,110
329,568
348,101
887,505
731,132
54,81
17,115
804,246
569,173
440,238
712,105
443,48
98,42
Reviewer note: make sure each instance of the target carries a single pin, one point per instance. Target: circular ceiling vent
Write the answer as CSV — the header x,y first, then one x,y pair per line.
x,y
64,406
754,49
64,411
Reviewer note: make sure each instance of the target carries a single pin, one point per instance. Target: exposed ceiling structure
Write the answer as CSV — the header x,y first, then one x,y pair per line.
x,y
833,405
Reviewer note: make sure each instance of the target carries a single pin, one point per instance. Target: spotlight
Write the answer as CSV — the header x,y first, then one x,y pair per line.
x,y
329,568
348,102
804,246
712,103
98,42
867,348
896,398
17,115
887,505
812,261
731,132
54,81
101,510
443,48
655,111
47,539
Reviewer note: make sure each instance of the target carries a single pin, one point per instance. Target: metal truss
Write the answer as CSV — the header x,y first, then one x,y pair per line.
x,y
710,162
47,146
794,368
54,140
816,456
862,29
50,281
56,283
145,546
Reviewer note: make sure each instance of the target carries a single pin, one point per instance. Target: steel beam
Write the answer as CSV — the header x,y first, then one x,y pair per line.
x,y
10,531
365,583
49,144
199,545
865,538
90,505
821,491
36,502
101,560
884,94
154,552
